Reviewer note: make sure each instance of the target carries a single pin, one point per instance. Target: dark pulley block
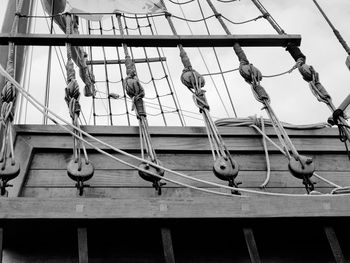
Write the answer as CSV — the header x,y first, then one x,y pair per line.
x,y
303,169
80,173
9,170
225,169
147,175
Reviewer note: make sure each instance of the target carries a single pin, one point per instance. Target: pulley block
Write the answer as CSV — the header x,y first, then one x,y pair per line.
x,y
225,169
8,171
147,175
306,71
191,77
248,71
303,169
80,173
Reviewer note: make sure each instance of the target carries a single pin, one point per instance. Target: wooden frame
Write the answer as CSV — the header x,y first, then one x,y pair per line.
x,y
31,139
151,41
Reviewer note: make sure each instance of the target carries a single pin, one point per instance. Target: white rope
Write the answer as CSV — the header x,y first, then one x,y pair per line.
x,y
37,105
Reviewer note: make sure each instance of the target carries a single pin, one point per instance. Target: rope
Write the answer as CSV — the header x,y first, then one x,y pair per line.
x,y
41,108
335,31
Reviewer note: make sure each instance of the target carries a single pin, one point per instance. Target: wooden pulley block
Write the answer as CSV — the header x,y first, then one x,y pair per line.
x,y
9,171
306,72
247,70
83,174
148,176
225,169
191,77
303,168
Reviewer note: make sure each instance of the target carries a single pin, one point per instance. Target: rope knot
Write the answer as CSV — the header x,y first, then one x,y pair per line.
x,y
307,72
192,79
72,98
8,93
136,92
250,73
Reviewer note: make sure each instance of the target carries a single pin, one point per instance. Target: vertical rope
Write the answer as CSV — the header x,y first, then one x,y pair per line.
x,y
121,76
107,79
92,70
152,77
335,31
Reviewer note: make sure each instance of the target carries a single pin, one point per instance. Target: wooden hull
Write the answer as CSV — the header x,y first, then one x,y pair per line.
x,y
44,220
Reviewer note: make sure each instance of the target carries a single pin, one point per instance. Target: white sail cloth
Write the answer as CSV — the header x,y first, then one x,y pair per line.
x,y
92,9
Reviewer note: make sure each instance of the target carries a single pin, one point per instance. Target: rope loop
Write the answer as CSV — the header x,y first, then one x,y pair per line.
x,y
192,79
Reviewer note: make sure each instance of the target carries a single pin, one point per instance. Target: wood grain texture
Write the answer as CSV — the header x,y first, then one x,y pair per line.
x,y
175,207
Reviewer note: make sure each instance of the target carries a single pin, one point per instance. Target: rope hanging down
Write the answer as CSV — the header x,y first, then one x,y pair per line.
x,y
79,168
9,167
225,167
300,166
310,75
136,92
78,54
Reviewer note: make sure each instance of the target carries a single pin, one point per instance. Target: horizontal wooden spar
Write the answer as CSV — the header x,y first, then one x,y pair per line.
x,y
151,41
122,61
159,207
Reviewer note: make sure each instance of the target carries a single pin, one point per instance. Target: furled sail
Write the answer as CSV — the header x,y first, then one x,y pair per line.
x,y
87,8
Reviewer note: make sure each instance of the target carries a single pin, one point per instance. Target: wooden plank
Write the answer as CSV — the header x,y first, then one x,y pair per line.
x,y
83,245
191,143
180,207
130,178
150,40
175,130
145,192
334,244
168,249
251,244
193,161
24,154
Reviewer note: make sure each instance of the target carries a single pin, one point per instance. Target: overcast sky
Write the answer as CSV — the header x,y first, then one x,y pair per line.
x,y
290,95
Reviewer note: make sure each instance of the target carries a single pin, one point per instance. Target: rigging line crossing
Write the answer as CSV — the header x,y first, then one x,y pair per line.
x,y
207,68
224,167
301,167
92,71
55,117
121,75
220,68
107,78
172,91
150,71
166,69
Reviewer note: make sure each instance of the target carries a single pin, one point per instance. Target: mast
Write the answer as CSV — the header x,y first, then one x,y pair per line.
x,y
23,27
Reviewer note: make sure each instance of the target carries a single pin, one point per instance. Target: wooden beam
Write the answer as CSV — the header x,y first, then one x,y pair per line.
x,y
151,41
334,244
122,61
83,245
205,206
251,244
167,241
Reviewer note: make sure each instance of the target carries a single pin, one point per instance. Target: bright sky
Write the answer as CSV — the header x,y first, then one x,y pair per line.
x,y
290,95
